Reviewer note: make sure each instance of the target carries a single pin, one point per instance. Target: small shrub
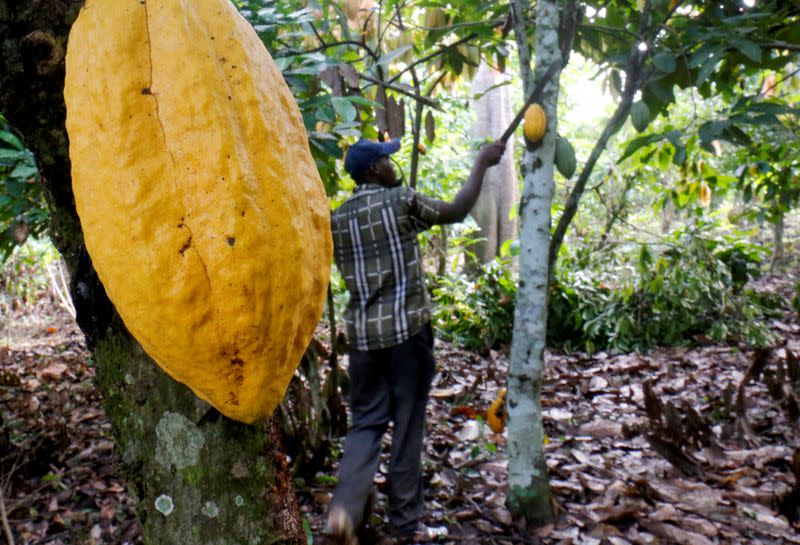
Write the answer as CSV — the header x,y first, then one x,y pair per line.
x,y
475,312
23,212
691,291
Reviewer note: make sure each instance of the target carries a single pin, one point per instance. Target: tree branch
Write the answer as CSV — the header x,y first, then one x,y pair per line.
x,y
433,55
418,110
523,47
426,101
634,79
324,46
4,516
782,45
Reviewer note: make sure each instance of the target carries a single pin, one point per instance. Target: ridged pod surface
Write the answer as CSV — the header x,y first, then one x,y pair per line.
x,y
201,206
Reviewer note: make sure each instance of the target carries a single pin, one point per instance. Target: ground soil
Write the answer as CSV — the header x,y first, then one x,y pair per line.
x,y
697,445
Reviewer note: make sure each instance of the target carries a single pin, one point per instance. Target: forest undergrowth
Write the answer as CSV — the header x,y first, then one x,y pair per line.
x,y
696,445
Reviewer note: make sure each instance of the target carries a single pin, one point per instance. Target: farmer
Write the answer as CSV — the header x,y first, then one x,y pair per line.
x,y
388,322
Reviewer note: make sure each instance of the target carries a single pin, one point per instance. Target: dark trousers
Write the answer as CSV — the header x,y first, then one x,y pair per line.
x,y
390,384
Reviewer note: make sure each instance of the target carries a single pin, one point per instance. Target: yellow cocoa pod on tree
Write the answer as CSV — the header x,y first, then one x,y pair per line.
x,y
535,123
496,415
200,203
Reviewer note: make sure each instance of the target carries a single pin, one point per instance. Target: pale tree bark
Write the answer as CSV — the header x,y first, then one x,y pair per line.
x,y
199,477
529,490
499,193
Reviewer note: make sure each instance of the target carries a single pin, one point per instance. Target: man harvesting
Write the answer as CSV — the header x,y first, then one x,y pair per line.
x,y
388,322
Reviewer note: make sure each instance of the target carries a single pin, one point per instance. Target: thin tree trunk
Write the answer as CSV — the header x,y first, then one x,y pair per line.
x,y
442,243
574,198
199,477
777,241
416,134
529,490
635,77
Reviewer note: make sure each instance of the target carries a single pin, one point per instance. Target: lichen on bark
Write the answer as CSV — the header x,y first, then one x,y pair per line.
x,y
529,491
179,441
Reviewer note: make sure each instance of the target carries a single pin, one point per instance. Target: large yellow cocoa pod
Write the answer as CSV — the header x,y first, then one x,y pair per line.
x,y
201,206
535,123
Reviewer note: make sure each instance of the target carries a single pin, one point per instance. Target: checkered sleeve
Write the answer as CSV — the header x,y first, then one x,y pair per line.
x,y
424,211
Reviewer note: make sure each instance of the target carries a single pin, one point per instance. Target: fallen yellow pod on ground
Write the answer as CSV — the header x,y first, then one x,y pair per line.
x,y
496,415
201,206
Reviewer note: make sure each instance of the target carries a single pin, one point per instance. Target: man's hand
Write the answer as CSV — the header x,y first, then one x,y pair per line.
x,y
491,154
488,156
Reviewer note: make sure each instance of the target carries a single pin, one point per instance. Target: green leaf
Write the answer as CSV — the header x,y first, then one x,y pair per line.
x,y
344,107
638,143
10,156
364,101
24,171
749,49
11,139
709,66
394,54
674,138
665,62
680,156
712,130
346,129
771,108
327,147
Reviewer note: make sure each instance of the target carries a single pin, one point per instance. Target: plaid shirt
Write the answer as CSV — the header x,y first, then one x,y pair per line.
x,y
376,250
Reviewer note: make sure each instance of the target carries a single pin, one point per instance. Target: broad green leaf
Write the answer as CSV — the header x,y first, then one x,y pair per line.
x,y
665,62
364,101
10,156
344,107
702,55
749,49
674,138
712,130
709,67
680,156
394,54
773,108
11,139
328,147
24,171
303,71
638,143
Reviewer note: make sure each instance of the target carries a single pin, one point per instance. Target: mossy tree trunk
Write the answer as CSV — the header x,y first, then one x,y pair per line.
x,y
199,477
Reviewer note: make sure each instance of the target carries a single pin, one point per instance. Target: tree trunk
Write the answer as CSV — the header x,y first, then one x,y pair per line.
x,y
777,241
499,193
529,490
200,478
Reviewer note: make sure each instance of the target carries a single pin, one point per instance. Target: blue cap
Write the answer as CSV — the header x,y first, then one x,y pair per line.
x,y
365,152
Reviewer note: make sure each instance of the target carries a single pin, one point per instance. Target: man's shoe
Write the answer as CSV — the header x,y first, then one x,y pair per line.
x,y
340,528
